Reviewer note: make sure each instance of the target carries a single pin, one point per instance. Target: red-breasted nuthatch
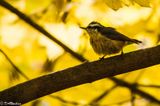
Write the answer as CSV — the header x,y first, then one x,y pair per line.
x,y
106,40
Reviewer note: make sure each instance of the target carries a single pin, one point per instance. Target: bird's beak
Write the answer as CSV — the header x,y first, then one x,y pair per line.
x,y
83,28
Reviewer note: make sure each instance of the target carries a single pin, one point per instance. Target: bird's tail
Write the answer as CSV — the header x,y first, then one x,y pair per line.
x,y
136,41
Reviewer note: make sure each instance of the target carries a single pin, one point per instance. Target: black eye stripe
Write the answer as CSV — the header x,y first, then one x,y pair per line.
x,y
95,27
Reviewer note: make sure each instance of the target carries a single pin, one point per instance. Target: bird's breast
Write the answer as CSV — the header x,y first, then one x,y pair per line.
x,y
103,45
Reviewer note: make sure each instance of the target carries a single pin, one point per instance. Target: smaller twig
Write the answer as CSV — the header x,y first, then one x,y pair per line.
x,y
132,98
154,86
118,103
97,99
14,66
64,101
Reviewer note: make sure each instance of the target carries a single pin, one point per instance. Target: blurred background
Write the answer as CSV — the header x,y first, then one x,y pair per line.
x,y
35,55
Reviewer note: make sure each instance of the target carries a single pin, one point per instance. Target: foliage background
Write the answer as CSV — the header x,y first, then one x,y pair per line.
x,y
36,55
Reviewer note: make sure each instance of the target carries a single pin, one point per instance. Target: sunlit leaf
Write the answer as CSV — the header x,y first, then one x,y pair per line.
x,y
39,14
59,4
144,3
32,5
13,75
126,2
64,16
50,64
114,4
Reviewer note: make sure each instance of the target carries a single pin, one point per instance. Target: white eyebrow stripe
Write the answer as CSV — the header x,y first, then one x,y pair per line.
x,y
93,25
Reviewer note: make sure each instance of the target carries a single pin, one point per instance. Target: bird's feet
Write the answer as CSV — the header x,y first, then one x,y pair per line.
x,y
102,58
86,61
122,53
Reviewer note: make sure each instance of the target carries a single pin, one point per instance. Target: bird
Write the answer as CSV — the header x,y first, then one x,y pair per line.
x,y
107,40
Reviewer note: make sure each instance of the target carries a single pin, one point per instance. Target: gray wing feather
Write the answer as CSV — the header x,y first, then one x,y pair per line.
x,y
111,33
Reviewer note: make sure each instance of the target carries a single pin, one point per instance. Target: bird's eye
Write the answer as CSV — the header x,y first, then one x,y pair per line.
x,y
96,27
89,27
93,27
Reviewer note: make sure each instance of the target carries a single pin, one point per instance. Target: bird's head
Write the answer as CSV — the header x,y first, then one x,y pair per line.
x,y
93,26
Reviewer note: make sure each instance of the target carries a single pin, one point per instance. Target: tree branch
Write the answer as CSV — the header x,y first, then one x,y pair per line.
x,y
81,74
40,29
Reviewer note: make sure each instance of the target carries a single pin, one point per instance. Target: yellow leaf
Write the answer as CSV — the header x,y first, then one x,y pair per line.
x,y
144,3
114,4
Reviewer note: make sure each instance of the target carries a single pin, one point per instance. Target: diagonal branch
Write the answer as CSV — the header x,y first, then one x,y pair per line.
x,y
81,74
40,29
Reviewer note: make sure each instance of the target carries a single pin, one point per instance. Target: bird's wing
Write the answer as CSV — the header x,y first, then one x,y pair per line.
x,y
111,33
